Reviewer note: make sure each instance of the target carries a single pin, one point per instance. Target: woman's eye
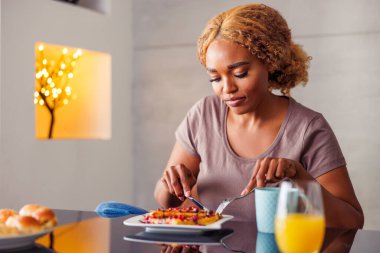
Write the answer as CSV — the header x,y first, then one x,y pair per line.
x,y
242,75
217,79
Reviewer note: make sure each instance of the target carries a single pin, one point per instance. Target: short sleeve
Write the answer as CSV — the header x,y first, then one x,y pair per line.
x,y
321,151
187,131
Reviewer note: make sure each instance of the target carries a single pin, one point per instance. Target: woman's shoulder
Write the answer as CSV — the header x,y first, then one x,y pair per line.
x,y
207,112
304,118
210,100
208,104
303,112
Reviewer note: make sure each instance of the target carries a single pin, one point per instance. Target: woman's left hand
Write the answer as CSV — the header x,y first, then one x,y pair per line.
x,y
271,170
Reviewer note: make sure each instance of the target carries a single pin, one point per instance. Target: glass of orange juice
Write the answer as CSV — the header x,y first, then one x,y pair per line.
x,y
300,221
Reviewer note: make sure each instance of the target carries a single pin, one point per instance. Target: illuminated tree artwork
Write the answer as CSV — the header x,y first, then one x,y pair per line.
x,y
52,81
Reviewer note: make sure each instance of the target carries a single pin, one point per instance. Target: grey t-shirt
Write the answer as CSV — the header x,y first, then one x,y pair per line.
x,y
304,136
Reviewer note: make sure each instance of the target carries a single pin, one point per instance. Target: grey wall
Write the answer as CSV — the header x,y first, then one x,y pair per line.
x,y
342,36
70,174
103,6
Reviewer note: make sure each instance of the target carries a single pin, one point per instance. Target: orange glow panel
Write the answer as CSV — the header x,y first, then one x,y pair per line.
x,y
85,110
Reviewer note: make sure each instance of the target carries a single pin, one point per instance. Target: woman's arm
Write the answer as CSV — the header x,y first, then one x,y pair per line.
x,y
178,178
342,208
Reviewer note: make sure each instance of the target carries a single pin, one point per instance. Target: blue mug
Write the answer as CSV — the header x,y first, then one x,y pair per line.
x,y
266,206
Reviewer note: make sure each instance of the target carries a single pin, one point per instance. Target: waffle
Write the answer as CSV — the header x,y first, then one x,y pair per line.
x,y
181,216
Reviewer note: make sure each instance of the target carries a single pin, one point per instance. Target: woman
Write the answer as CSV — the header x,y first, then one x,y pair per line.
x,y
246,136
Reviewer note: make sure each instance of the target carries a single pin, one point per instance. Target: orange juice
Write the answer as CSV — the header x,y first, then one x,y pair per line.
x,y
299,233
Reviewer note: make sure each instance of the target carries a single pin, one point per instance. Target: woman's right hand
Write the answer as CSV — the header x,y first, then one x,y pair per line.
x,y
178,180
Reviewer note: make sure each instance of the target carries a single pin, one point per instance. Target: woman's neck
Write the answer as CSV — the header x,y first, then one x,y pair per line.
x,y
267,109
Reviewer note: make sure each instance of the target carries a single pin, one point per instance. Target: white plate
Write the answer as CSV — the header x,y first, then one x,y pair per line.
x,y
20,241
169,228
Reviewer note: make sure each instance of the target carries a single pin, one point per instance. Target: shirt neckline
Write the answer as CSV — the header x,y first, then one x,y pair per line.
x,y
270,148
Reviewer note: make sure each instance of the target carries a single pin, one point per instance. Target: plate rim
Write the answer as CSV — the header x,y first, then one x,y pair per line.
x,y
135,222
26,235
18,241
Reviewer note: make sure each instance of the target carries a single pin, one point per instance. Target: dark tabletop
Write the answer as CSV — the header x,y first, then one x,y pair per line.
x,y
85,232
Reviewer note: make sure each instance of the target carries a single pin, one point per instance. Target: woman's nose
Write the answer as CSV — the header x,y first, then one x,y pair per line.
x,y
229,86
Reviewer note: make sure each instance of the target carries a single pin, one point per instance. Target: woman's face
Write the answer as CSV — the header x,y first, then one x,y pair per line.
x,y
237,76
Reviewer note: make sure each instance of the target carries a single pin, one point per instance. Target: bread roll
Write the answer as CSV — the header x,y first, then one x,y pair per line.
x,y
5,230
43,214
24,224
29,209
46,216
5,214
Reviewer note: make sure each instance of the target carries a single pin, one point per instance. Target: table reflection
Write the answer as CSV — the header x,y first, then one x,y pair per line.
x,y
246,239
180,242
265,243
180,249
34,249
234,237
83,232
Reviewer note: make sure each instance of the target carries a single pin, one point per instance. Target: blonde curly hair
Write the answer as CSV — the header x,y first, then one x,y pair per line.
x,y
265,33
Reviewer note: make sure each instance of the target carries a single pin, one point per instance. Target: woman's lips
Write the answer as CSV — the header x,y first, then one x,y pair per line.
x,y
234,102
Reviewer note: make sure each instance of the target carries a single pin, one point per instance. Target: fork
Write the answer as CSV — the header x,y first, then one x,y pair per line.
x,y
228,201
222,205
